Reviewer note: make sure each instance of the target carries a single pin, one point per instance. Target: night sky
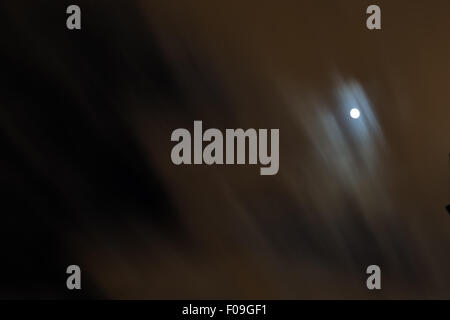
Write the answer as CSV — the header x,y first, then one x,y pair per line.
x,y
86,176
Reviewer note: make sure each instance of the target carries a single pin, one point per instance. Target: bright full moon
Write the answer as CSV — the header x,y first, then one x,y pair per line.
x,y
354,113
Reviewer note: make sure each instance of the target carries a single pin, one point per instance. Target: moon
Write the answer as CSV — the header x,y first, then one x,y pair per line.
x,y
354,113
